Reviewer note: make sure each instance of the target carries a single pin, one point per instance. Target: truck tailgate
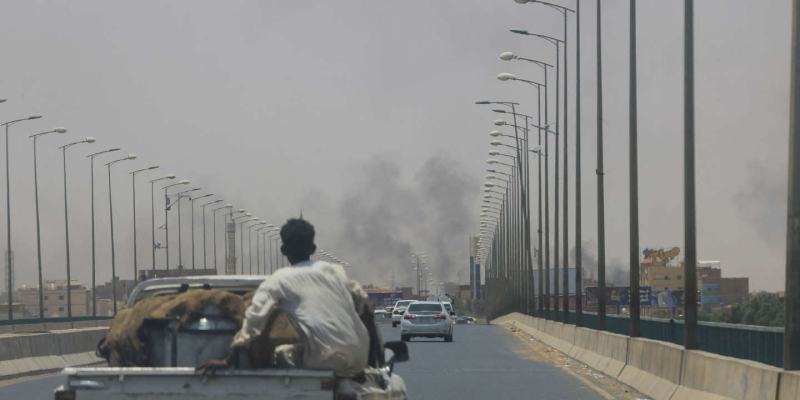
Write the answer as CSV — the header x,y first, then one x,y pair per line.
x,y
180,383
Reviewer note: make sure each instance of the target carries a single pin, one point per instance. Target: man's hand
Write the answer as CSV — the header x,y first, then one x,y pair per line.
x,y
211,367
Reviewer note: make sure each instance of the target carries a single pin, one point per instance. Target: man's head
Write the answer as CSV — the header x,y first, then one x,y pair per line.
x,y
297,236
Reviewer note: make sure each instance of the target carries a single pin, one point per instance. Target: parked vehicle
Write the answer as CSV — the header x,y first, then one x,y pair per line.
x,y
426,319
398,310
174,352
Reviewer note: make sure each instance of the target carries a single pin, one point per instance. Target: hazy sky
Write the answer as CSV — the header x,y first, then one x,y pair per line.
x,y
360,114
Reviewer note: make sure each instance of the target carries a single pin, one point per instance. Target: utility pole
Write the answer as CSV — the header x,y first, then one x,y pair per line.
x,y
633,190
601,232
689,222
791,336
578,258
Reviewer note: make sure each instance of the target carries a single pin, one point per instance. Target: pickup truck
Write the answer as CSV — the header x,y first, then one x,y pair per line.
x,y
177,351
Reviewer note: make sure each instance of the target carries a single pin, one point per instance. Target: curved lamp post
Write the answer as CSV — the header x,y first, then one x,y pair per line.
x,y
153,220
167,206
9,267
214,228
38,230
203,208
66,220
180,196
133,186
191,202
111,221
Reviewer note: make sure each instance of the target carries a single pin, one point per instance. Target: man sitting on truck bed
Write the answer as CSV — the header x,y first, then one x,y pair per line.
x,y
319,300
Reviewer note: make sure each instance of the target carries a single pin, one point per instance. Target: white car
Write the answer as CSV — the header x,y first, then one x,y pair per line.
x,y
398,310
426,319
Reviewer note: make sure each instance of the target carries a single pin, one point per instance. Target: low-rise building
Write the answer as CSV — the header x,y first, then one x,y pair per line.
x,y
55,299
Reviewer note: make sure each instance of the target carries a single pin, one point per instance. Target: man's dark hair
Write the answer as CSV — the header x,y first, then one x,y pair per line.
x,y
297,236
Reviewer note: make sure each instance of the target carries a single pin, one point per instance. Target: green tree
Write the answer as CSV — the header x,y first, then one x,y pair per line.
x,y
764,309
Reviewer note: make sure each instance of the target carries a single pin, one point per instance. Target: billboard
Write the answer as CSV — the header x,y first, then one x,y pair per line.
x,y
620,295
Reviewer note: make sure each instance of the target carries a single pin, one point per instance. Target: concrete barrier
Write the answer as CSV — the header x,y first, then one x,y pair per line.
x,y
712,376
614,349
789,385
663,370
34,353
653,368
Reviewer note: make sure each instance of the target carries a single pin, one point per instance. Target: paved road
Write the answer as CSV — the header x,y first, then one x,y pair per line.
x,y
483,362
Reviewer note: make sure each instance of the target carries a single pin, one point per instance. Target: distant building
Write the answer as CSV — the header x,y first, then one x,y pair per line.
x,y
124,288
734,290
383,297
55,299
145,274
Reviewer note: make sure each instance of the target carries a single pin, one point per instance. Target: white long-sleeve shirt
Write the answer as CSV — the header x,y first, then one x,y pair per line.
x,y
319,299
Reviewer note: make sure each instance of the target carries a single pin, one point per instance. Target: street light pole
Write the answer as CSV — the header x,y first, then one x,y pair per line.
x,y
38,229
214,227
133,187
205,253
690,224
180,196
111,221
153,219
8,219
791,336
191,202
94,252
66,221
601,230
633,161
167,206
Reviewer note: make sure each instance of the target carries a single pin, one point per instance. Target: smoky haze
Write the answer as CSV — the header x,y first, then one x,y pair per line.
x,y
386,216
283,106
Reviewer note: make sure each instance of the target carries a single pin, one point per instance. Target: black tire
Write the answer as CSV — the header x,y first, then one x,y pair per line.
x,y
448,338
405,338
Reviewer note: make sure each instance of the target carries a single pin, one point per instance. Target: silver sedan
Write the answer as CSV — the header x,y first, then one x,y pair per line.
x,y
426,319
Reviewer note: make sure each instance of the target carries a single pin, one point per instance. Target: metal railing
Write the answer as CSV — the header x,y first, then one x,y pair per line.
x,y
757,343
31,321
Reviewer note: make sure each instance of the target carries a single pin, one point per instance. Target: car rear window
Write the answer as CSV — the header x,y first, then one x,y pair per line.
x,y
449,307
425,308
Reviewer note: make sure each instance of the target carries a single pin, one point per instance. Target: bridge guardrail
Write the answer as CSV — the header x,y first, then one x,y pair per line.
x,y
48,324
757,343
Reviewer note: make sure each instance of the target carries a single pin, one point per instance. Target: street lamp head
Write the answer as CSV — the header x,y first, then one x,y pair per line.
x,y
229,205
170,176
130,156
504,76
519,31
500,122
521,1
60,130
507,56
492,161
495,133
3,100
241,210
496,143
494,153
35,117
89,139
483,102
185,182
497,110
248,215
153,167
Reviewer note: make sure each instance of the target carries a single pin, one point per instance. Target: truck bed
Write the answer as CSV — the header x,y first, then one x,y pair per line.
x,y
181,383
